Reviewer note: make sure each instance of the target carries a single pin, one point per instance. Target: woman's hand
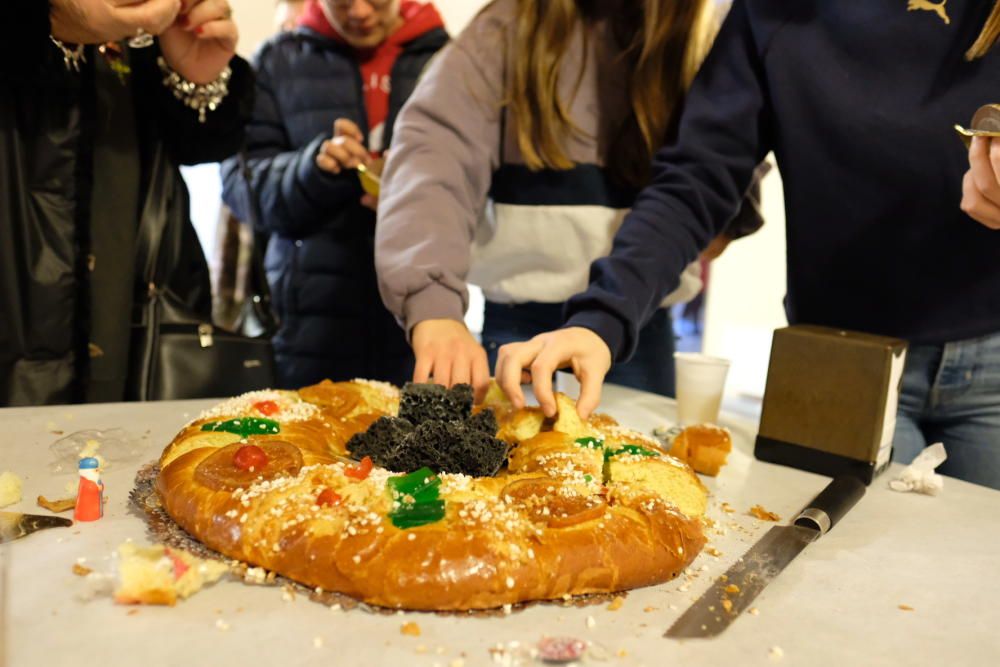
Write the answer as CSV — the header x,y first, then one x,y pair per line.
x,y
100,21
981,185
344,150
535,361
201,41
448,354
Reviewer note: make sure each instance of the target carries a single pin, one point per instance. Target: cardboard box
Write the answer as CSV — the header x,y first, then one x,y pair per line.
x,y
830,401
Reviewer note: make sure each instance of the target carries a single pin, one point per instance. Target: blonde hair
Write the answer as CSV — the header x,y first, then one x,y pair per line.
x,y
661,44
988,37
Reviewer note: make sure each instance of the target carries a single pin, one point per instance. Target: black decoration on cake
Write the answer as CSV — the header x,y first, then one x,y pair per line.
x,y
436,429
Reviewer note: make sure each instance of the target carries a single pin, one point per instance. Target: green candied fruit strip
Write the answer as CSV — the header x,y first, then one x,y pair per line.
x,y
635,450
411,516
422,485
245,426
590,443
588,478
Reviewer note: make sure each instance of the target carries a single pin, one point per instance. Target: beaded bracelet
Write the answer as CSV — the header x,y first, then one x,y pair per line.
x,y
200,97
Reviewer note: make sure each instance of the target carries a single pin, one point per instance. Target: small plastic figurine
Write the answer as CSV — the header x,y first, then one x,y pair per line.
x,y
90,493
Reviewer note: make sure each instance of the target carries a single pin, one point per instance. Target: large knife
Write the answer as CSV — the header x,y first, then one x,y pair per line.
x,y
733,592
14,525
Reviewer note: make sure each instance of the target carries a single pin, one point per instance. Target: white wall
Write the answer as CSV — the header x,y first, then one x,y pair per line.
x,y
744,301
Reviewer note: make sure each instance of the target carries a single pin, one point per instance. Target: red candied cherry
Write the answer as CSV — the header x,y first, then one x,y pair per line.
x,y
361,470
266,408
250,457
180,567
328,498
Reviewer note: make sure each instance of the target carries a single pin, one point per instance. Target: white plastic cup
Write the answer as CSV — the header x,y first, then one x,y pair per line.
x,y
700,383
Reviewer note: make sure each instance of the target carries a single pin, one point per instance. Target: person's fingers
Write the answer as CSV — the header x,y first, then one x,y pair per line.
x,y
423,367
976,206
325,162
223,30
590,390
442,370
153,16
480,375
349,152
369,201
983,175
461,370
512,359
340,154
542,369
344,127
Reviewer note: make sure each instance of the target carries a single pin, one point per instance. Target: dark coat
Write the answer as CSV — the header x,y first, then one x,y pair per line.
x,y
320,256
46,142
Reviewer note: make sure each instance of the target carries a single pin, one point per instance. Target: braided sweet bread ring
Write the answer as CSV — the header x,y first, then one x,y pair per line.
x,y
581,508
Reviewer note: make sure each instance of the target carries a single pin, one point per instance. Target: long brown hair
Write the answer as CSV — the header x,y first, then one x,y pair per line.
x,y
988,37
660,42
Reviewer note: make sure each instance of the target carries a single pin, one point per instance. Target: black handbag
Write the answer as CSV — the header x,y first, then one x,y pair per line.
x,y
175,353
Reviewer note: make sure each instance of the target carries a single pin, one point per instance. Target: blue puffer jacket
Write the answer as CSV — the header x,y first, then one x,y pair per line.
x,y
320,257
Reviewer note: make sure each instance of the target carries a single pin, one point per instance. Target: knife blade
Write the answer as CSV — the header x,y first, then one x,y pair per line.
x,y
733,592
15,525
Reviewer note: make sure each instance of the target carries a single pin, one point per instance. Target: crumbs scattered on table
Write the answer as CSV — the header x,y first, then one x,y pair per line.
x,y
753,611
776,653
712,551
617,603
132,612
80,570
762,514
411,629
61,505
221,624
728,509
906,607
591,622
732,588
649,609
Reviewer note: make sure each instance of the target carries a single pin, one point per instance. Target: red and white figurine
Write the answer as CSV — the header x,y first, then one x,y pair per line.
x,y
90,492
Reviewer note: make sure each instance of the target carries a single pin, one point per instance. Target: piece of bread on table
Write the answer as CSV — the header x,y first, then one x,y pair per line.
x,y
160,575
704,447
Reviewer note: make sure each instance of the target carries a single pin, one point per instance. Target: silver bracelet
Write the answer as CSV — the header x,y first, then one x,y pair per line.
x,y
200,97
71,57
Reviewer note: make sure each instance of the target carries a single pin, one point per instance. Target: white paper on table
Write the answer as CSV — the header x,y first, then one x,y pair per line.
x,y
919,476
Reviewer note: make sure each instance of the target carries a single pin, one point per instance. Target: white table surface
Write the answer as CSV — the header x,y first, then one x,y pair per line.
x,y
837,604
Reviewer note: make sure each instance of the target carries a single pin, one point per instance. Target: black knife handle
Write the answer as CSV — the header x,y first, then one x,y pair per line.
x,y
831,504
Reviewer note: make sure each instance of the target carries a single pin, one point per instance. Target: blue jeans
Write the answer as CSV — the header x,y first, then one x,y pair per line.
x,y
951,394
651,369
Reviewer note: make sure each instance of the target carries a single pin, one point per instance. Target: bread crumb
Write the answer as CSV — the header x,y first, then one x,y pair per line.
x,y
80,570
622,653
221,624
776,653
728,606
712,551
753,611
411,629
591,622
318,642
727,508
10,488
132,612
732,588
906,607
649,609
762,514
61,505
421,648
616,604
457,662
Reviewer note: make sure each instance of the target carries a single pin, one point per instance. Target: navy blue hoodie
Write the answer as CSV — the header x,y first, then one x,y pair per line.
x,y
857,100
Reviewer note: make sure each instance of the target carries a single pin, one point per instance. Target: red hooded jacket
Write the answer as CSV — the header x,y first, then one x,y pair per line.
x,y
376,64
